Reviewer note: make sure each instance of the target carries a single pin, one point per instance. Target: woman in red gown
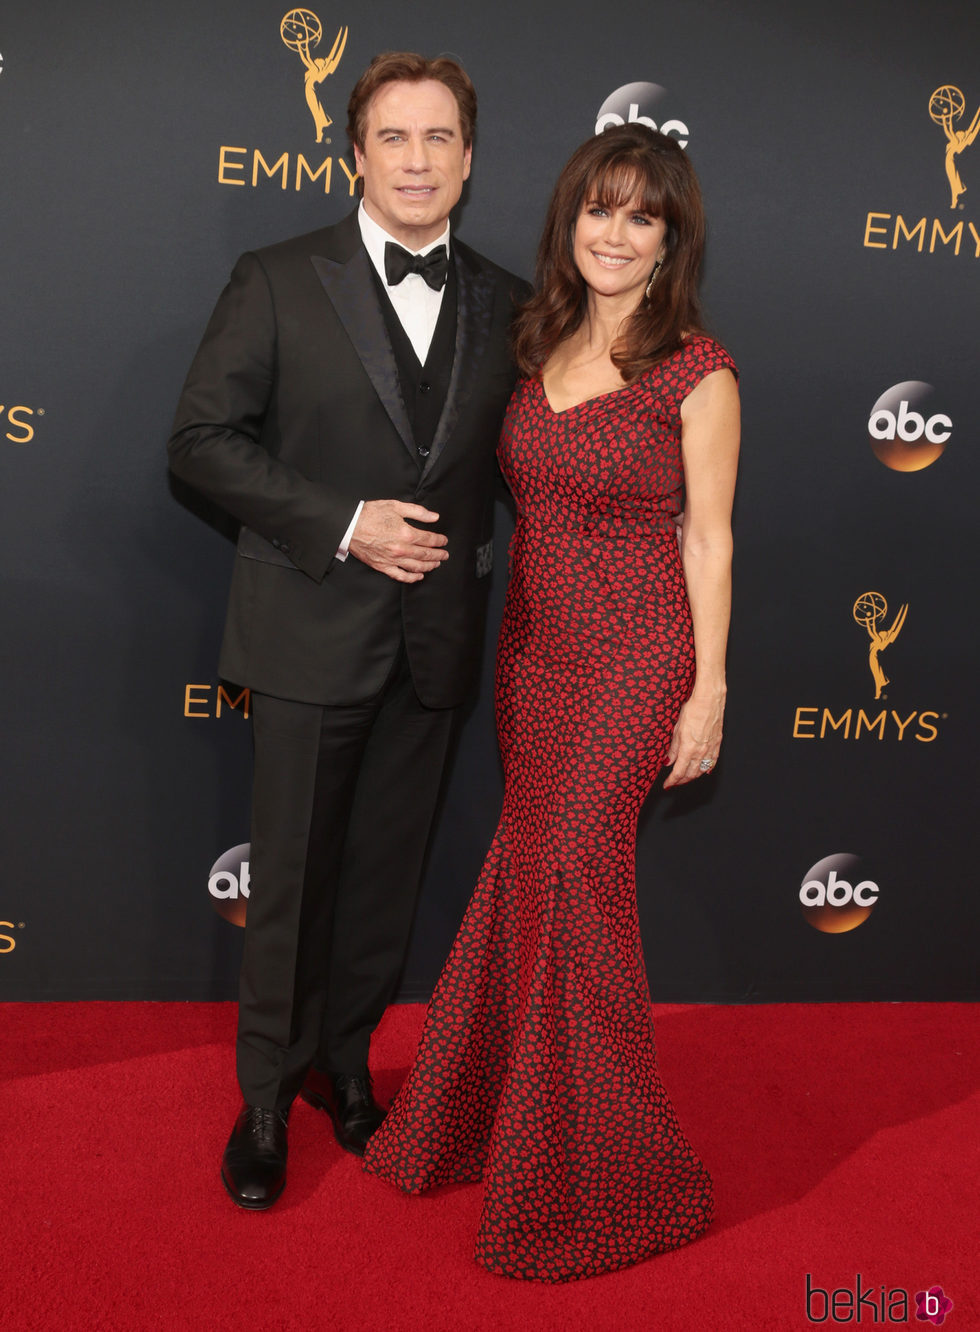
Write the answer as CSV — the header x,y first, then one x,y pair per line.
x,y
536,1072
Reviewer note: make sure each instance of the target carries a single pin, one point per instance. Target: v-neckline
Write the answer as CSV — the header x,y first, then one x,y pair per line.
x,y
609,393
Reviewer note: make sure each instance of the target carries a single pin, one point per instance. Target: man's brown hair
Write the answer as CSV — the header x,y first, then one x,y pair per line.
x,y
407,67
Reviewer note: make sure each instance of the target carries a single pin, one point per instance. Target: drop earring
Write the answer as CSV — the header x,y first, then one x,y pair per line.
x,y
653,277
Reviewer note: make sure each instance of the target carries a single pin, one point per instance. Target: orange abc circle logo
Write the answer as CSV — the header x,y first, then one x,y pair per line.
x,y
835,897
904,434
229,883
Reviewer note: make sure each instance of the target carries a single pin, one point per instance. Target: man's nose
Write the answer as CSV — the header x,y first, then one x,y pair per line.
x,y
417,154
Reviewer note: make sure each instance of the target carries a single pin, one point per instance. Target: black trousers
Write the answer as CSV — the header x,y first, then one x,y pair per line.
x,y
342,807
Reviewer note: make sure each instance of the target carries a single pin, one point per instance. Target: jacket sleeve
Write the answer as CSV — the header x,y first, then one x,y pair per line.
x,y
222,443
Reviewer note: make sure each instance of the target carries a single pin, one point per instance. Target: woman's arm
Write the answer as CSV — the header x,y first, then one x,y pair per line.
x,y
709,448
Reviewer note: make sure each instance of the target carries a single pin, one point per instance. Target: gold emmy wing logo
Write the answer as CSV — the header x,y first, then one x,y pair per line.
x,y
870,610
844,721
301,31
947,105
932,235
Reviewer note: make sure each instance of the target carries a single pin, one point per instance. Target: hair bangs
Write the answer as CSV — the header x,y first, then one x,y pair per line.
x,y
622,180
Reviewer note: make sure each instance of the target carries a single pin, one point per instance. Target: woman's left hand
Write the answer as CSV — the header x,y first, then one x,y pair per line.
x,y
696,742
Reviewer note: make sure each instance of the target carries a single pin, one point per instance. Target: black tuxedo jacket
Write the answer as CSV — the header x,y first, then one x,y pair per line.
x,y
292,413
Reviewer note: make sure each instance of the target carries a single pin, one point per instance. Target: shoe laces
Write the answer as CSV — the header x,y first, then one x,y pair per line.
x,y
263,1123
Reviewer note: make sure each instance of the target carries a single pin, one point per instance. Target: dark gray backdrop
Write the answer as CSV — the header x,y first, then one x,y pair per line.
x,y
117,235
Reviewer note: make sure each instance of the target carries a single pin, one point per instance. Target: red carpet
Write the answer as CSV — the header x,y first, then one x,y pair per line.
x,y
842,1140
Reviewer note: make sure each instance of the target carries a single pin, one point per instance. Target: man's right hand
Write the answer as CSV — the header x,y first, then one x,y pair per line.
x,y
384,540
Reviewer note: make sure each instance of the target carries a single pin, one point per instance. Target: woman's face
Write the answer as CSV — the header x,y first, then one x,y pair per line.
x,y
615,248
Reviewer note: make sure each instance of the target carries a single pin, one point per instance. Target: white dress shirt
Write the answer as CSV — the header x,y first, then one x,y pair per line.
x,y
414,302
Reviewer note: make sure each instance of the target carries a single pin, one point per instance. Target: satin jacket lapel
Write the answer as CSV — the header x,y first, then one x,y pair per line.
x,y
350,287
474,310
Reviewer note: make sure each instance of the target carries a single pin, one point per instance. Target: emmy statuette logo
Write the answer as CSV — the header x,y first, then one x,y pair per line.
x,y
258,167
850,721
870,610
301,31
946,106
960,238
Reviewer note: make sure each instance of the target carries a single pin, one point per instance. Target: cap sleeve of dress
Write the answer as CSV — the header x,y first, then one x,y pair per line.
x,y
699,356
673,379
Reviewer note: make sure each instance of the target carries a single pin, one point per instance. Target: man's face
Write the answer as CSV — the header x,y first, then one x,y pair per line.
x,y
413,162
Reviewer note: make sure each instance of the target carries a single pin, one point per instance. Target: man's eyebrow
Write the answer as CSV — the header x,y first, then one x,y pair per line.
x,y
433,129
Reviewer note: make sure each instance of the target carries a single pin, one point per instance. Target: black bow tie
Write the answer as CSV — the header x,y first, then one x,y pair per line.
x,y
432,268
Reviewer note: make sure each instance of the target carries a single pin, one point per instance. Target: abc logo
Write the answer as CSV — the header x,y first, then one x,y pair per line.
x,y
835,897
640,104
903,434
228,884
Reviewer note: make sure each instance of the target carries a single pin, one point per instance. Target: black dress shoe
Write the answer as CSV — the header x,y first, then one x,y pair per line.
x,y
253,1168
348,1100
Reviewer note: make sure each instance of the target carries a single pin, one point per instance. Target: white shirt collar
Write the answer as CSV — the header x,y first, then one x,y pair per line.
x,y
375,238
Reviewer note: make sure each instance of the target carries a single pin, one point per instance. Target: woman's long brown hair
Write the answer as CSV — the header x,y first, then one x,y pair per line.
x,y
626,163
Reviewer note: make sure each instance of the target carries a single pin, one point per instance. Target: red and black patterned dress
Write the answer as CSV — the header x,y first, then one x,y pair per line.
x,y
536,1071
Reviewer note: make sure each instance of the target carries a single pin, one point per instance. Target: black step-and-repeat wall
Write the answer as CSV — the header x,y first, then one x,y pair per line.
x,y
832,855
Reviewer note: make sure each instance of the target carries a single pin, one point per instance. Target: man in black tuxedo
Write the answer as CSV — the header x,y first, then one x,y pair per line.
x,y
344,406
